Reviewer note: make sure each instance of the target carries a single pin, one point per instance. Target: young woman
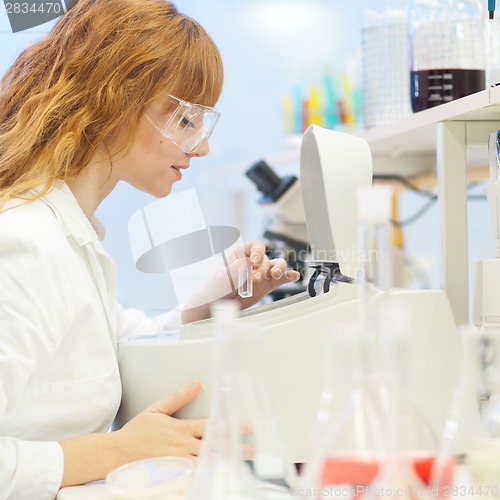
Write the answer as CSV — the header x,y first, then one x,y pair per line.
x,y
119,90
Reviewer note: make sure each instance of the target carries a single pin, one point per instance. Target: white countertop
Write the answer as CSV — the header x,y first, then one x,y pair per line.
x,y
92,491
98,490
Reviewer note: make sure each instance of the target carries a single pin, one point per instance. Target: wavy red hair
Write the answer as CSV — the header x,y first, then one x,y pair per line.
x,y
92,75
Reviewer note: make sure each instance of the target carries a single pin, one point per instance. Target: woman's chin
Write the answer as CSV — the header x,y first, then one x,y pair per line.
x,y
158,190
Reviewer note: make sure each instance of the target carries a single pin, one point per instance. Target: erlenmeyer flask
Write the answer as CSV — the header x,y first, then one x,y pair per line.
x,y
347,457
243,454
410,444
386,323
270,463
221,472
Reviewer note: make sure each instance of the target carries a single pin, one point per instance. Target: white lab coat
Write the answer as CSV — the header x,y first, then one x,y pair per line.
x,y
59,325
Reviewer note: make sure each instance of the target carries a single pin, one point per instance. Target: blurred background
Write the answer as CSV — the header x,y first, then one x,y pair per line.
x,y
279,54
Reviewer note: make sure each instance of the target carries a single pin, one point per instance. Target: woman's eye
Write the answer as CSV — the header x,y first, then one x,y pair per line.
x,y
186,122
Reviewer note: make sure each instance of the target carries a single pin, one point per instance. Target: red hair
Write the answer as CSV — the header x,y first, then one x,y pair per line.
x,y
93,74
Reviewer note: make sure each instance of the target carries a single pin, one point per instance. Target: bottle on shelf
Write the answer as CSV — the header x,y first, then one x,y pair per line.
x,y
447,51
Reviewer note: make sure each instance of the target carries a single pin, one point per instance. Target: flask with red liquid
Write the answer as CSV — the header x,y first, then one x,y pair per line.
x,y
447,51
349,445
411,446
369,434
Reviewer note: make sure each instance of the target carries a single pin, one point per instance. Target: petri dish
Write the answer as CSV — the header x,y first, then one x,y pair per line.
x,y
166,478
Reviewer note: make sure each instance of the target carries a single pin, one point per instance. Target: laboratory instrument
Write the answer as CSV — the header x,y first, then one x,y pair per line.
x,y
481,354
245,283
483,457
447,52
491,9
486,304
333,165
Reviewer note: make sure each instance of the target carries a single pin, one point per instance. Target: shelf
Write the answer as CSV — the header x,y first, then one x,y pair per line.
x,y
408,146
416,133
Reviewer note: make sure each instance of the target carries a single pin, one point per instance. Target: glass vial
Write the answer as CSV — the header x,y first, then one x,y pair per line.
x,y
447,51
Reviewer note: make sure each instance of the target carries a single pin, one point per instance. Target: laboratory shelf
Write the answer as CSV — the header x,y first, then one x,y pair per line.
x,y
451,138
447,140
408,146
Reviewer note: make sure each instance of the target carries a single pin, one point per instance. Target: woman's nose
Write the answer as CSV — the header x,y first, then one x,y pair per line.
x,y
202,150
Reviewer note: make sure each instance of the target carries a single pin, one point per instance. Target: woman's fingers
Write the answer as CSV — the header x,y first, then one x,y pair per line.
x,y
177,399
281,274
256,253
197,427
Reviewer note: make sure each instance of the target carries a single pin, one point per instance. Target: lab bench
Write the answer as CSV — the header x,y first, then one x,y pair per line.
x,y
98,490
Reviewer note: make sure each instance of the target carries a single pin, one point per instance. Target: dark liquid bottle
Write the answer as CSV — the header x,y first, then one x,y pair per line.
x,y
447,51
430,88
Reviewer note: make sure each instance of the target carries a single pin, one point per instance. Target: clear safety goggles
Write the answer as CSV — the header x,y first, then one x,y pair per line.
x,y
189,125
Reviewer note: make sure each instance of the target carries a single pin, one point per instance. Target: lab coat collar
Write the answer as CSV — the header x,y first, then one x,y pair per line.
x,y
73,220
77,226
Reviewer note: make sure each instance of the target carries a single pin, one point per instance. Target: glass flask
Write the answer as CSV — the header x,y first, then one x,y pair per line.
x,y
411,445
370,437
243,455
447,51
349,444
378,439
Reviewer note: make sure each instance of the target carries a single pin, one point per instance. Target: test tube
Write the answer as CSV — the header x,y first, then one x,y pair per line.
x,y
245,283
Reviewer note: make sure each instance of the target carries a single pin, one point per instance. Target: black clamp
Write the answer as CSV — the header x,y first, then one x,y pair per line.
x,y
332,271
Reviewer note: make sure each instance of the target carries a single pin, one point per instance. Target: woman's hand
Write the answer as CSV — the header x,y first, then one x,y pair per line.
x,y
154,432
266,275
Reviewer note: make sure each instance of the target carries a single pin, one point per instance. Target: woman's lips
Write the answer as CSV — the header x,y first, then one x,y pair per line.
x,y
177,172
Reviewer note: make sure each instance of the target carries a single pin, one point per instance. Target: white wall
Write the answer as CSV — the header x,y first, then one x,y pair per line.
x,y
267,46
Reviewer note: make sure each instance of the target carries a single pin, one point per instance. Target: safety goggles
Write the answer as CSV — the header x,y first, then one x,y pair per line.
x,y
189,125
